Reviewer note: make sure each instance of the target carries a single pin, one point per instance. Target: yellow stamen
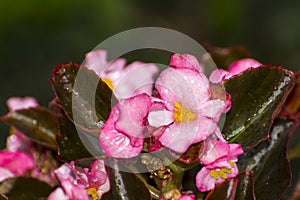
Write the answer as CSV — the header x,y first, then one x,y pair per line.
x,y
93,193
214,174
227,170
108,83
182,114
222,174
231,163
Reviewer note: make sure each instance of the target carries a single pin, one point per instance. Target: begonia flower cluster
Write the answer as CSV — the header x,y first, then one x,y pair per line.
x,y
176,111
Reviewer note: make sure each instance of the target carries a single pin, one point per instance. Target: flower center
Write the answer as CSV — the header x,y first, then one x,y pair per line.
x,y
93,193
182,114
216,173
108,83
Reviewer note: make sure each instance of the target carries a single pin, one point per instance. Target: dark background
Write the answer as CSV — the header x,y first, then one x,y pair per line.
x,y
36,35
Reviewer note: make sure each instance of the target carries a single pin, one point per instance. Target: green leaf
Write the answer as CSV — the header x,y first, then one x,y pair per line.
x,y
257,97
245,187
85,98
240,187
223,57
125,185
24,188
39,124
268,162
73,143
224,190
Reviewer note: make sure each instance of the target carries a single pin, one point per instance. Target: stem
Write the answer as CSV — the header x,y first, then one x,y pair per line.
x,y
155,193
178,173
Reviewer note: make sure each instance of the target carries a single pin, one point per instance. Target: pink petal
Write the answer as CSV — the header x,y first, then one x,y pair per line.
x,y
97,176
235,150
58,194
179,136
185,61
160,118
213,150
132,115
242,65
204,181
117,144
73,191
212,109
219,75
64,172
5,174
17,162
136,78
183,85
18,142
96,61
17,103
187,197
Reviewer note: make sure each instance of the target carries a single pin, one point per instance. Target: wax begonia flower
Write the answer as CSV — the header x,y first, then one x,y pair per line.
x,y
185,61
191,115
14,164
17,143
235,68
187,197
122,135
79,183
241,65
125,81
218,158
17,103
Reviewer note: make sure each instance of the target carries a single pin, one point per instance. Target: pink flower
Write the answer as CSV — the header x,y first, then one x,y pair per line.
x,y
190,115
14,164
185,61
235,68
18,143
78,183
122,135
187,197
17,103
241,65
136,78
219,159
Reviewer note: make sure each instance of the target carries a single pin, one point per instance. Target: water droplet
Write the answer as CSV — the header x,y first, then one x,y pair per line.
x,y
34,122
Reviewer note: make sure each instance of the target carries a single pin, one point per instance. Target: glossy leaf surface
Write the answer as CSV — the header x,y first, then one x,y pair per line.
x,y
24,188
38,123
257,96
125,185
83,95
268,162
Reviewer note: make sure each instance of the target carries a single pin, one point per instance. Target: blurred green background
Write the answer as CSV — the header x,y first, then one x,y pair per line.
x,y
36,35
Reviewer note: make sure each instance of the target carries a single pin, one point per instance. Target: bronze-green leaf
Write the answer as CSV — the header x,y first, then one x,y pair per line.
x,y
240,187
268,162
125,185
86,99
24,188
245,187
38,123
257,97
224,190
73,143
